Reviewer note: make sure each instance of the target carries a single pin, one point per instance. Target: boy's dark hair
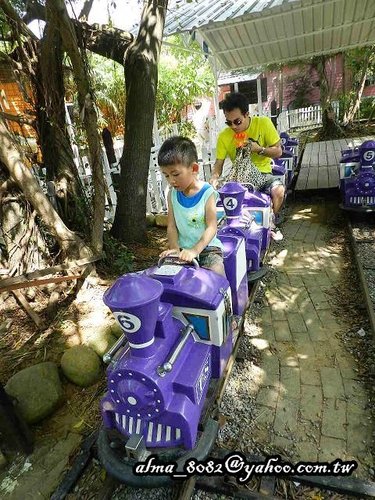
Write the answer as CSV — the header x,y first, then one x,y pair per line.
x,y
235,100
177,150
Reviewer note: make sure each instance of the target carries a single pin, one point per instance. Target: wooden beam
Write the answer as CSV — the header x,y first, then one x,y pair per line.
x,y
49,270
38,282
23,302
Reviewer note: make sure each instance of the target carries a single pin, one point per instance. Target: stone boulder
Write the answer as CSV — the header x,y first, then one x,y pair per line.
x,y
81,365
37,391
101,340
161,220
150,220
116,330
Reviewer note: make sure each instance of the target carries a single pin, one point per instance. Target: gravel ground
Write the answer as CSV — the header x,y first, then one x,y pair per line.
x,y
364,234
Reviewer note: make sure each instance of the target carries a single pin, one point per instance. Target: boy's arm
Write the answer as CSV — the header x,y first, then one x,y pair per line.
x,y
171,231
209,233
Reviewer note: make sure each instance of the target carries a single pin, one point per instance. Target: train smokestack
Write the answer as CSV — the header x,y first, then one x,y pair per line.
x,y
134,300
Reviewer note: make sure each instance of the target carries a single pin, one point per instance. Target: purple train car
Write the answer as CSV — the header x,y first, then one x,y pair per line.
x,y
289,158
357,178
177,323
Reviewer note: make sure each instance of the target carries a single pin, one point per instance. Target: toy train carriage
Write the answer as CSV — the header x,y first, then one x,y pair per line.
x,y
248,214
357,178
289,158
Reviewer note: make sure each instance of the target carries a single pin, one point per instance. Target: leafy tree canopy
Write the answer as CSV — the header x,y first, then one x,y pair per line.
x,y
184,75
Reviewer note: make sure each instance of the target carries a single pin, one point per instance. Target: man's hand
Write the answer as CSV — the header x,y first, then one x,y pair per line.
x,y
214,180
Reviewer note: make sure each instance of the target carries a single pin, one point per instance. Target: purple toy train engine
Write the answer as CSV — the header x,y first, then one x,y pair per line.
x,y
177,338
357,178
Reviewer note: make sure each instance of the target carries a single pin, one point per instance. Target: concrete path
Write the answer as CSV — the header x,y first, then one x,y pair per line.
x,y
310,402
320,163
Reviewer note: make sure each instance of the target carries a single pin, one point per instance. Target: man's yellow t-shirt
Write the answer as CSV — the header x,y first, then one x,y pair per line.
x,y
261,130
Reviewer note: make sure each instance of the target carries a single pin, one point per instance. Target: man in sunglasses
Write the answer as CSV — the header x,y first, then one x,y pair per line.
x,y
265,143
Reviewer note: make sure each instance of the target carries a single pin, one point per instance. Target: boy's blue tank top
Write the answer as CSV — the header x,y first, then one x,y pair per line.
x,y
189,215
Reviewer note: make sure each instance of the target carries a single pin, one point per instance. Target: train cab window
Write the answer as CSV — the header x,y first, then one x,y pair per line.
x,y
258,216
201,325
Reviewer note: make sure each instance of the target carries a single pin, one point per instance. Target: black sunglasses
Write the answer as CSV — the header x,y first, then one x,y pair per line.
x,y
235,122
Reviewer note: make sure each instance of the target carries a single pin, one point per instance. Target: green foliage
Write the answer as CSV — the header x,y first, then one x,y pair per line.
x,y
109,88
344,103
108,85
366,108
354,60
184,75
18,6
187,129
117,258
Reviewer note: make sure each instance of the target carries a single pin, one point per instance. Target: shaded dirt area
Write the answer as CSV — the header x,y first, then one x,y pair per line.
x,y
22,344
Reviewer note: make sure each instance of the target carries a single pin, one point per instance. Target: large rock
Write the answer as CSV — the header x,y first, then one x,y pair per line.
x,y
81,365
37,390
150,220
116,330
161,220
101,340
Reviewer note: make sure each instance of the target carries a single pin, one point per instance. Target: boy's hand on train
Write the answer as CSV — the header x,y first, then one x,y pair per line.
x,y
188,254
173,251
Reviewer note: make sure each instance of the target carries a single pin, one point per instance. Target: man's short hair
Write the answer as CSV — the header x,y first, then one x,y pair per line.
x,y
177,150
235,100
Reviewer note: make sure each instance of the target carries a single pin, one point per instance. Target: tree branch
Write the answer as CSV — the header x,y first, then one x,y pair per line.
x,y
12,15
21,119
84,14
106,41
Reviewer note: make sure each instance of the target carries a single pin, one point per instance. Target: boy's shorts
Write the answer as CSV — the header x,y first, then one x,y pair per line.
x,y
210,257
271,181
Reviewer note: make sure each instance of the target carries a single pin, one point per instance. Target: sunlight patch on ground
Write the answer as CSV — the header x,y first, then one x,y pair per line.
x,y
260,344
258,375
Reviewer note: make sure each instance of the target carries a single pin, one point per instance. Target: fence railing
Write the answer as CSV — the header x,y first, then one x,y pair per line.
x,y
303,117
157,186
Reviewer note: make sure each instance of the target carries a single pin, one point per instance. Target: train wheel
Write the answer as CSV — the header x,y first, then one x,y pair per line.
x,y
121,468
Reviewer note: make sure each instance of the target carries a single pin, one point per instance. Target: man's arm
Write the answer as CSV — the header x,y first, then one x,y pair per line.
x,y
216,172
274,151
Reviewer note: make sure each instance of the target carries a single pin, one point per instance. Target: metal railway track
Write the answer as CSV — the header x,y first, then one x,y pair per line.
x,y
362,277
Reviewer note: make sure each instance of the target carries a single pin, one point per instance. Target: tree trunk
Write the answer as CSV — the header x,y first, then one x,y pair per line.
x,y
141,70
24,242
330,127
354,107
71,245
88,115
41,63
57,151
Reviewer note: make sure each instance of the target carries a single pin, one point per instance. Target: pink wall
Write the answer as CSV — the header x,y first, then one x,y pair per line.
x,y
338,76
369,91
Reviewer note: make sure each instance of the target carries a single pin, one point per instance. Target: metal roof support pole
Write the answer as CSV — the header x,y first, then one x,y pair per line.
x,y
216,96
259,93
